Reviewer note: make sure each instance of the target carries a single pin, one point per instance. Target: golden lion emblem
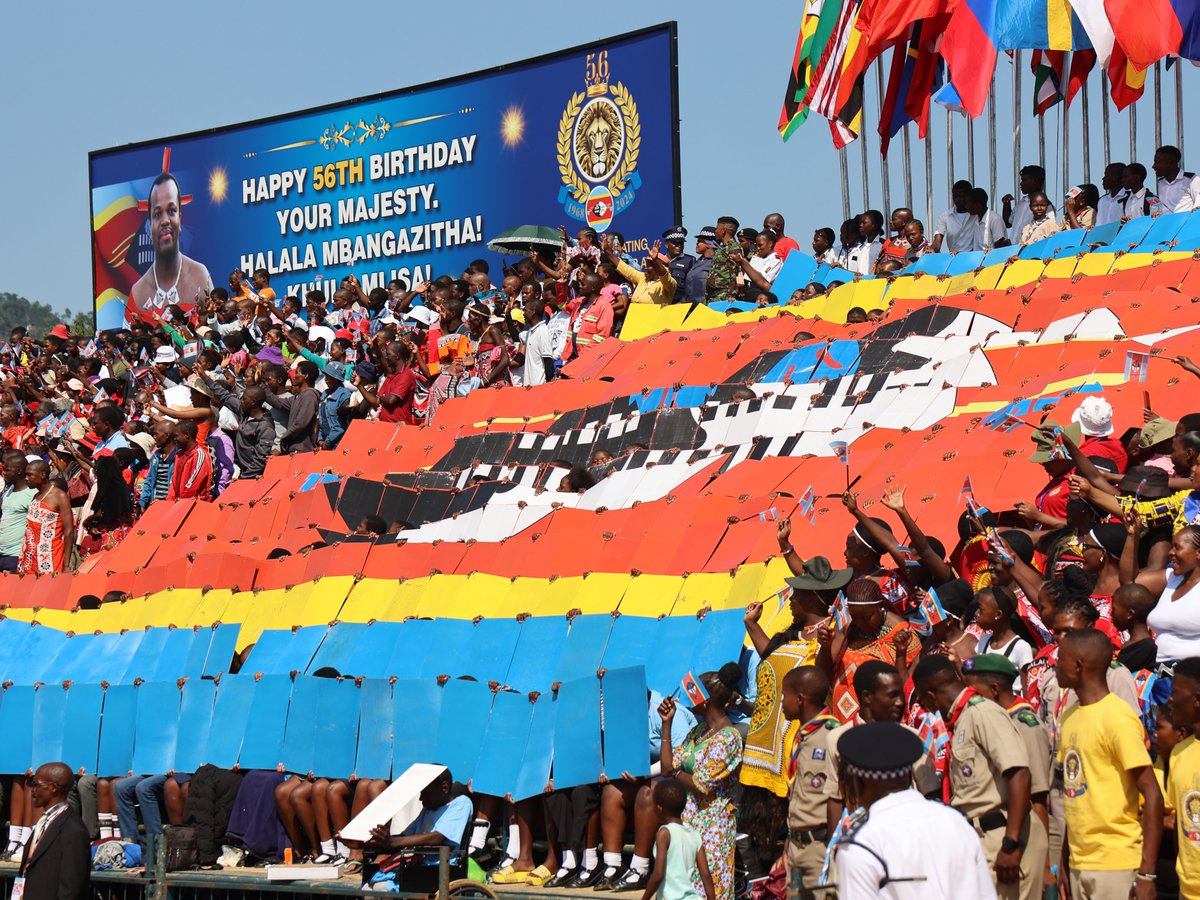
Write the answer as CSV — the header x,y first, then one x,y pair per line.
x,y
598,140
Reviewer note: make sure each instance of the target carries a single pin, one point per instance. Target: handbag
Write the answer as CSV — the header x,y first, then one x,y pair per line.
x,y
183,849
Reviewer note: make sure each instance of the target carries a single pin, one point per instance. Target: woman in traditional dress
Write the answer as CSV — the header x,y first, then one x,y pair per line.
x,y
49,526
707,765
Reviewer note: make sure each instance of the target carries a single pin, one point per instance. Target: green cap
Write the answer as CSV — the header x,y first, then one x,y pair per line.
x,y
990,664
1044,438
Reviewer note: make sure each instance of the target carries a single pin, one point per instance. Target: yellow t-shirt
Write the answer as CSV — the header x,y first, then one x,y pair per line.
x,y
1100,746
1183,793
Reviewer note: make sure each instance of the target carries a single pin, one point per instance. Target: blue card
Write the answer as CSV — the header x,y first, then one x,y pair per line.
x,y
677,636
538,651
231,716
118,724
720,639
195,721
49,721
416,714
539,749
338,648
262,746
337,727
414,644
624,722
451,641
281,652
504,744
81,733
171,664
577,735
157,727
374,651
300,738
374,755
491,650
16,724
634,640
146,657
460,734
583,650
221,649
40,646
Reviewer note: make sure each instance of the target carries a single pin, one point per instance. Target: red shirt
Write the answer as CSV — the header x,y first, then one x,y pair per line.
x,y
1054,496
1108,448
403,385
192,476
784,246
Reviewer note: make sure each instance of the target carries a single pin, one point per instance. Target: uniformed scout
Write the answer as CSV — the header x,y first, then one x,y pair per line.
x,y
901,846
992,675
988,770
805,699
678,262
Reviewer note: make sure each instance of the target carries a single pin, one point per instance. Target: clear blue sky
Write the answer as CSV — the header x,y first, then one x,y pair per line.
x,y
80,76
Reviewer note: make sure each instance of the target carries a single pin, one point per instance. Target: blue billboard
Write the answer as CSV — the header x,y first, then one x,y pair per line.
x,y
404,185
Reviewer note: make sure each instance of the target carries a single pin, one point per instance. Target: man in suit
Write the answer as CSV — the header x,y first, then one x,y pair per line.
x,y
56,863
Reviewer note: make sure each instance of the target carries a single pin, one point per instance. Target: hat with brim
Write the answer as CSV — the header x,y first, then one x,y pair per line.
x,y
990,664
165,356
1094,416
422,315
1146,482
334,370
200,386
820,575
60,331
74,384
1155,432
1047,446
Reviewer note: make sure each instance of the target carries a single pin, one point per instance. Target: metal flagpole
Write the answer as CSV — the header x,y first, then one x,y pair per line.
x,y
862,140
1104,115
929,171
949,154
1041,120
1179,106
845,183
970,150
883,166
1158,104
1133,132
1087,135
908,193
1066,145
991,140
1016,106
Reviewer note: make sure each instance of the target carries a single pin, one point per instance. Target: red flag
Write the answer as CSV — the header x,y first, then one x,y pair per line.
x,y
1146,30
1128,84
924,74
883,21
1082,63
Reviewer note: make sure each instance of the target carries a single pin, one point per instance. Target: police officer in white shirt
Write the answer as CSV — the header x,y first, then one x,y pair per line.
x,y
955,230
903,847
1016,217
1112,202
1178,190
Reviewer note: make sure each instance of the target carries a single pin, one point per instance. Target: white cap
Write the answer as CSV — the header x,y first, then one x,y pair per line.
x,y
1094,417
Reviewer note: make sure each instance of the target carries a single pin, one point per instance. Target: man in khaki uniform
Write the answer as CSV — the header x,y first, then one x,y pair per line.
x,y
990,780
880,692
992,675
805,699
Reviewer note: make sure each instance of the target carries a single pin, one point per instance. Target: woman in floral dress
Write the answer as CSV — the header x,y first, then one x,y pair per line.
x,y
707,765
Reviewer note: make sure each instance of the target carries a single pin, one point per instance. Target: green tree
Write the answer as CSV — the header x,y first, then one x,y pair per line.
x,y
16,310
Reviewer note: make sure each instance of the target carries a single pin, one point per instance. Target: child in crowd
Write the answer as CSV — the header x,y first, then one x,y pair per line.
x,y
679,863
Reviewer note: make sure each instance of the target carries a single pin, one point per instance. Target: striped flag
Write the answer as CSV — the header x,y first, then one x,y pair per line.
x,y
823,93
1126,83
794,110
841,612
893,116
1099,30
1049,73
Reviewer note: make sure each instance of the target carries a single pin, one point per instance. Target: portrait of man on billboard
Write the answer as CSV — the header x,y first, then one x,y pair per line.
x,y
172,279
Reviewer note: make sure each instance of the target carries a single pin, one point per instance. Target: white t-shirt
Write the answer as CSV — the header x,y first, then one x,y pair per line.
x,y
767,266
1175,621
538,349
1017,650
863,256
560,331
988,230
1110,208
958,230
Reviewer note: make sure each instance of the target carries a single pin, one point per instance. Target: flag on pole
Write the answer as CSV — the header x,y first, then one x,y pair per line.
x,y
1126,83
967,489
1136,365
1094,20
969,48
808,505
794,111
784,596
932,609
893,116
928,72
841,450
768,515
1082,63
1038,24
1146,30
89,349
1049,74
823,92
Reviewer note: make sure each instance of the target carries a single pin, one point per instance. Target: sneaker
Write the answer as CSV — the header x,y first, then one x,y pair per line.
x,y
632,880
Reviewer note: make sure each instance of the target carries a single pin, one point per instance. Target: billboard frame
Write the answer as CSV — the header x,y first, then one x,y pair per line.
x,y
671,27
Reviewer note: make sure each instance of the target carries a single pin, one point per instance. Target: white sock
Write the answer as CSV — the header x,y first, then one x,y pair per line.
x,y
479,833
106,832
513,850
568,860
612,860
590,857
25,834
342,849
327,848
640,864
14,835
